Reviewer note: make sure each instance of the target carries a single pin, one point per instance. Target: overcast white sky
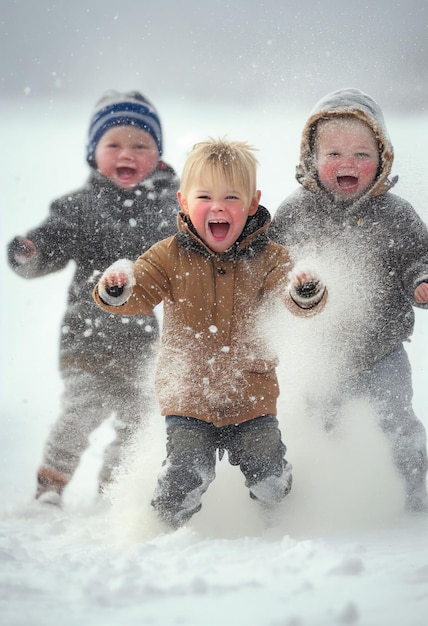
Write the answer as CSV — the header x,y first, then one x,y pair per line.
x,y
275,50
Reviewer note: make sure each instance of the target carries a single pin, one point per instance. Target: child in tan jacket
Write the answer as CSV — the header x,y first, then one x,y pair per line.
x,y
216,379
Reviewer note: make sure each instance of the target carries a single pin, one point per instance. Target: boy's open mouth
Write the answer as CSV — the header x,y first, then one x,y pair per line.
x,y
125,172
347,182
219,230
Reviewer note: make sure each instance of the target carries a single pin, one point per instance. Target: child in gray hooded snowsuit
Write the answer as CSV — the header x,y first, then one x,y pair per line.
x,y
128,204
344,213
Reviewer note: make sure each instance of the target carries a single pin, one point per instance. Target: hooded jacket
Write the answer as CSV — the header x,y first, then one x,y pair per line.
x,y
214,364
92,227
376,245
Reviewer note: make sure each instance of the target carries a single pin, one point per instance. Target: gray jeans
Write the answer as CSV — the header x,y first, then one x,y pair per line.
x,y
189,467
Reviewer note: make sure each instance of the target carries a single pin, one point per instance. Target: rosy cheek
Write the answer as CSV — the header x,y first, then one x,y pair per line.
x,y
327,171
368,170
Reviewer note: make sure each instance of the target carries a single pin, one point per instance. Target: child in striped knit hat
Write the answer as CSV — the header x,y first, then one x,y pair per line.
x,y
128,203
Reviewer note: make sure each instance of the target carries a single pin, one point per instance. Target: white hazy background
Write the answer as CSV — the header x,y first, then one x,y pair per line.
x,y
344,552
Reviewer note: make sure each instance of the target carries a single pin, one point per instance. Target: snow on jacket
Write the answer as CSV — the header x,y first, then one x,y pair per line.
x,y
214,365
92,227
377,246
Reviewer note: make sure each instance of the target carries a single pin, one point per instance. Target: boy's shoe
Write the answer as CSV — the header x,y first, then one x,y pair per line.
x,y
172,519
50,485
50,497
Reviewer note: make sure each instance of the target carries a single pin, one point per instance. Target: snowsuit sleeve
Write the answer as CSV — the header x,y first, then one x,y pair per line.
x,y
55,241
411,248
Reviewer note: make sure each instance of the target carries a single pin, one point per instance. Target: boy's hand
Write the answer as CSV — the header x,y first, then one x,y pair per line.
x,y
306,285
21,251
115,285
114,282
421,293
306,288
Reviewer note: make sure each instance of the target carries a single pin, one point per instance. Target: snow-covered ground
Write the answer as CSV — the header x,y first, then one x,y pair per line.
x,y
343,552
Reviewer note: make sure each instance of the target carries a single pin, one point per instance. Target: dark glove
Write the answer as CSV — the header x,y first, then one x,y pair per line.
x,y
307,294
20,251
115,291
308,290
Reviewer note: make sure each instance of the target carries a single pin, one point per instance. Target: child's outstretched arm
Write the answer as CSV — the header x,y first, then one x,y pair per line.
x,y
306,288
116,283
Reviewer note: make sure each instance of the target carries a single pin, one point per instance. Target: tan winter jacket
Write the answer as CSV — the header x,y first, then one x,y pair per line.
x,y
213,364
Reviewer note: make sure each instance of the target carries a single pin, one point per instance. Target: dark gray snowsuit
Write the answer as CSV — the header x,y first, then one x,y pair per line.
x,y
103,357
377,248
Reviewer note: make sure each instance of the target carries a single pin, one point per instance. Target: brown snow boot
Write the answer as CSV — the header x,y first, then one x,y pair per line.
x,y
50,485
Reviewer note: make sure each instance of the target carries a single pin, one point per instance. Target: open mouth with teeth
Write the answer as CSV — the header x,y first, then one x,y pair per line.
x,y
219,230
347,182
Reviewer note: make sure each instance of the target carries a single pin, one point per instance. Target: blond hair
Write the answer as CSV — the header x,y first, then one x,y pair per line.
x,y
216,161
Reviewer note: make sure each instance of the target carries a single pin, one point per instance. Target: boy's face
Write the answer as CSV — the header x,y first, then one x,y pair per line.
x,y
219,215
126,155
347,157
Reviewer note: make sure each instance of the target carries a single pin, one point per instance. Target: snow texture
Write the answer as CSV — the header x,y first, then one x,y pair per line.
x,y
340,551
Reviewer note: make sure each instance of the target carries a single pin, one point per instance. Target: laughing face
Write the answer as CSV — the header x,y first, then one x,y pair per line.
x,y
347,157
126,155
218,214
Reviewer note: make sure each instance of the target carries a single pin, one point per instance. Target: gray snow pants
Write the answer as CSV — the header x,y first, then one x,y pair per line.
x,y
387,385
189,467
91,397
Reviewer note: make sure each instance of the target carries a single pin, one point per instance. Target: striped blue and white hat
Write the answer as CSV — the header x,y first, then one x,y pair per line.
x,y
122,109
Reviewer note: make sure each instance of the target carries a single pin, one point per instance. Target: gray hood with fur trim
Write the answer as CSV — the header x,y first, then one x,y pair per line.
x,y
361,106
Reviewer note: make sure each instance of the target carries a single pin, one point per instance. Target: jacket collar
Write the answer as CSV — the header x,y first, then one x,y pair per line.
x,y
251,241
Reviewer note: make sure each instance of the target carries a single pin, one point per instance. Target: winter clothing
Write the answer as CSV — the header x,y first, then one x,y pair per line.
x,y
210,307
378,246
215,372
103,358
189,467
122,109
